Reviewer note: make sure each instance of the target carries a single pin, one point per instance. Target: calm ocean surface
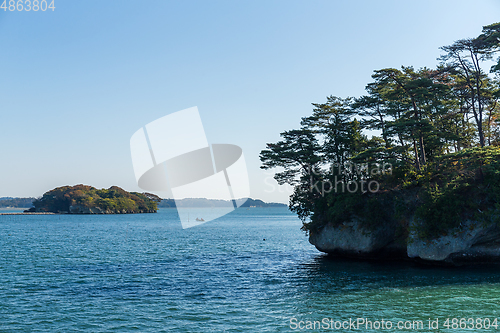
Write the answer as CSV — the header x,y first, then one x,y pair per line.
x,y
143,273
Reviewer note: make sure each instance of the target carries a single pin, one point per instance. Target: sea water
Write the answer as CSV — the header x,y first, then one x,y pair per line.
x,y
250,271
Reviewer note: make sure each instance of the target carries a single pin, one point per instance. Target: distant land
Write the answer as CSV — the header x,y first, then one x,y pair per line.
x,y
11,202
202,203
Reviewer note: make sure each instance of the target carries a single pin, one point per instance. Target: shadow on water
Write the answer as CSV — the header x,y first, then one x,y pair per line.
x,y
325,272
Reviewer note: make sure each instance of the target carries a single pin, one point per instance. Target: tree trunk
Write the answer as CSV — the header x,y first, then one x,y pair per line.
x,y
417,160
477,74
420,136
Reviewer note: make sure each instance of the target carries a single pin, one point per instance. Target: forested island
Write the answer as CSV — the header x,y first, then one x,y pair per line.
x,y
427,185
84,199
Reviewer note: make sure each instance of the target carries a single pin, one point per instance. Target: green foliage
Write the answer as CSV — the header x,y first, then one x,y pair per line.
x,y
443,209
112,200
296,153
462,186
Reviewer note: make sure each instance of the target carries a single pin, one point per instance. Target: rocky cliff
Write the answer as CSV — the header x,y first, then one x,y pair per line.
x,y
473,242
350,239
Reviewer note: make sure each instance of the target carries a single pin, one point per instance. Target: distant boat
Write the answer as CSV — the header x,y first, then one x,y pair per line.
x,y
200,220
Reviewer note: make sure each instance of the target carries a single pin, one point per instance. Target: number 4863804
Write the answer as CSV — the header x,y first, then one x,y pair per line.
x,y
27,5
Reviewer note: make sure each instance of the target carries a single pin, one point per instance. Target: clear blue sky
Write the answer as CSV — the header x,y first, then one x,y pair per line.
x,y
76,83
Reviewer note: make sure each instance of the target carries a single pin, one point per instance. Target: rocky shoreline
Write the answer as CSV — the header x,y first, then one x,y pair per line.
x,y
473,243
78,209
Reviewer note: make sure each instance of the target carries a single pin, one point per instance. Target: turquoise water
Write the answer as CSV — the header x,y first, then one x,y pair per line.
x,y
143,273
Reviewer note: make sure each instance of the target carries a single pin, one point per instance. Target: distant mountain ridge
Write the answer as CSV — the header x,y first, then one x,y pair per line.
x,y
202,202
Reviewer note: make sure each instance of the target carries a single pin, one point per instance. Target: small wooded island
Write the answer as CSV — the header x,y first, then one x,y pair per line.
x,y
84,199
426,186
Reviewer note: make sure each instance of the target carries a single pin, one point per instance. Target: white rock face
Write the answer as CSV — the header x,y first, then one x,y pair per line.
x,y
350,238
472,241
